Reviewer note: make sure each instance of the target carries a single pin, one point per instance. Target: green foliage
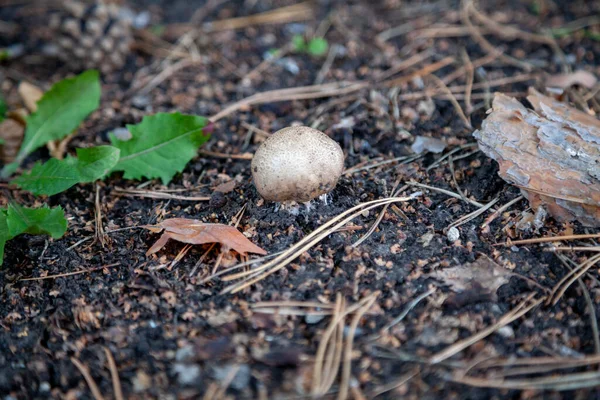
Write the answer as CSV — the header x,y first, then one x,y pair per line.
x,y
316,47
17,220
60,111
55,176
3,109
161,145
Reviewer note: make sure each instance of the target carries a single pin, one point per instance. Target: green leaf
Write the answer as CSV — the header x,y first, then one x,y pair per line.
x,y
317,47
3,109
60,111
56,176
4,235
298,43
160,146
95,162
36,221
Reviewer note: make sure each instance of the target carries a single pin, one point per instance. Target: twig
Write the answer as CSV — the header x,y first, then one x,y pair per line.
x,y
549,239
466,9
253,276
590,306
469,79
39,278
425,71
466,218
296,93
453,175
99,231
500,210
561,287
157,195
446,192
453,100
572,381
114,375
88,378
506,319
347,362
404,313
224,155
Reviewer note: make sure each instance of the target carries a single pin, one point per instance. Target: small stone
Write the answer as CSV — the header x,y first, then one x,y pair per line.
x,y
453,234
187,374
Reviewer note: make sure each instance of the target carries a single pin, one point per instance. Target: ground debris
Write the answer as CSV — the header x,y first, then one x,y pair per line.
x,y
551,153
197,232
474,282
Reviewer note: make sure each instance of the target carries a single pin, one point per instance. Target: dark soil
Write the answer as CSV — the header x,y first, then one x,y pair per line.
x,y
173,336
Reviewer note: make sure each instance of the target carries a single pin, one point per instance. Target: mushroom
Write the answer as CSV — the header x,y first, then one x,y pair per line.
x,y
298,164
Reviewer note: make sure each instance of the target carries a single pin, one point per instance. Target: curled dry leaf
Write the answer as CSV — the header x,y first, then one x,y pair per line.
x,y
564,81
193,231
11,133
552,154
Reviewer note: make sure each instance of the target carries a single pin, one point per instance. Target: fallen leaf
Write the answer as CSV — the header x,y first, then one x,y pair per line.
x,y
30,94
551,153
482,277
580,77
197,232
11,133
226,187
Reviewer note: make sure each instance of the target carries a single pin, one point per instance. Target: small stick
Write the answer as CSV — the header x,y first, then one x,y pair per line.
x,y
500,210
39,278
88,378
114,375
506,319
446,192
549,239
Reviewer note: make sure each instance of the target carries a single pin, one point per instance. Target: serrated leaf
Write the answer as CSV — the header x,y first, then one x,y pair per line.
x,y
36,221
160,146
95,162
61,110
55,176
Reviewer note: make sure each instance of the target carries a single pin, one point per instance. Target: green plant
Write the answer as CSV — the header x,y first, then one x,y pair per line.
x,y
55,176
16,220
315,47
160,146
60,111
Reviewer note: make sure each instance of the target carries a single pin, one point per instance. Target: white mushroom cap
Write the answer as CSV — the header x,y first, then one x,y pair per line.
x,y
297,164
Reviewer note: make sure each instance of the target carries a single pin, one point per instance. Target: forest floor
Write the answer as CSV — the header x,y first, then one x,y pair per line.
x,y
406,313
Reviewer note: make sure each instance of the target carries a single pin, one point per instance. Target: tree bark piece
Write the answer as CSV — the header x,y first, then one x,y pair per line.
x,y
552,154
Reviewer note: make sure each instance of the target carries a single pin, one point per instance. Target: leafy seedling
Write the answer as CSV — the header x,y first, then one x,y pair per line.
x,y
193,231
315,47
59,112
55,176
160,146
16,220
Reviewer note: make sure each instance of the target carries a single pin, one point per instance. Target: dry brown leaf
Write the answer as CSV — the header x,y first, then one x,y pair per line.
x,y
226,187
30,94
193,231
564,81
551,154
483,275
11,132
